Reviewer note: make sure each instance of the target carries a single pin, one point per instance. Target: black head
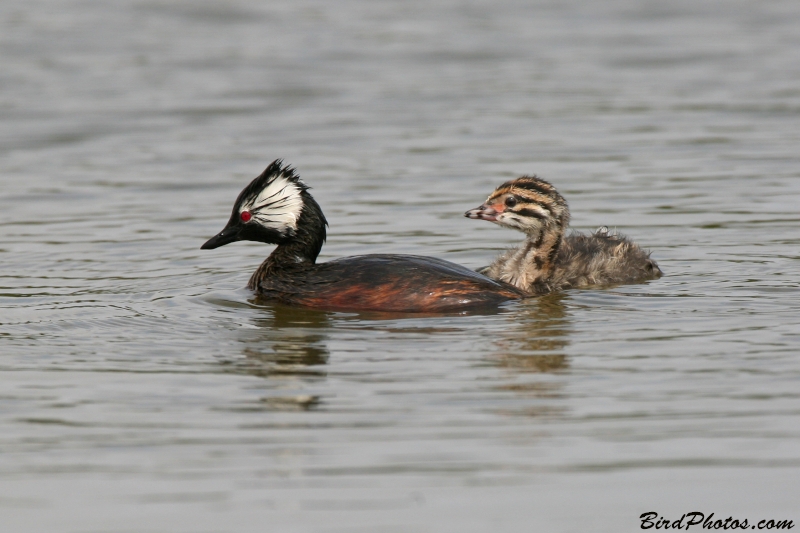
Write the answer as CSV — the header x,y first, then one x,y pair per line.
x,y
274,208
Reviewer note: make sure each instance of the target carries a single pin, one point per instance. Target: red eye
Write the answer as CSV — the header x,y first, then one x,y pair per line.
x,y
245,216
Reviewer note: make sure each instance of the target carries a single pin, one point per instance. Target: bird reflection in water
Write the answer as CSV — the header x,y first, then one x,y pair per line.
x,y
288,346
531,348
539,334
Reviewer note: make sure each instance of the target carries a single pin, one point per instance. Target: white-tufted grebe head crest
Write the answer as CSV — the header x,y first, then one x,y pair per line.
x,y
275,208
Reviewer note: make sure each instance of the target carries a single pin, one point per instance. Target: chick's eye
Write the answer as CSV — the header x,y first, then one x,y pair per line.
x,y
511,201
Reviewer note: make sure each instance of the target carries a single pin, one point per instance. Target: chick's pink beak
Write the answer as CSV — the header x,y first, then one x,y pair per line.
x,y
483,212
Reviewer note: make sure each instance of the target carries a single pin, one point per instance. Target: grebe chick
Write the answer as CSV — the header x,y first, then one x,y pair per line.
x,y
548,259
276,208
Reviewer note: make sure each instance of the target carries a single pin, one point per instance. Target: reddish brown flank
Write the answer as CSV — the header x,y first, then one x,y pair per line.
x,y
395,283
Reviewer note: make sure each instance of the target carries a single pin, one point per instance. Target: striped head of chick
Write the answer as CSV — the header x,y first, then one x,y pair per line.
x,y
527,204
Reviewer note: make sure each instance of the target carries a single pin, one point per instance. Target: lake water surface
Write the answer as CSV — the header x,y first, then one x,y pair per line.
x,y
144,389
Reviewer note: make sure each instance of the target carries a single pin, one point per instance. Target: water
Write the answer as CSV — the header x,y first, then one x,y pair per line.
x,y
144,390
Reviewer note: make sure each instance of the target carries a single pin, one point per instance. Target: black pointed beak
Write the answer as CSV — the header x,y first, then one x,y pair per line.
x,y
228,235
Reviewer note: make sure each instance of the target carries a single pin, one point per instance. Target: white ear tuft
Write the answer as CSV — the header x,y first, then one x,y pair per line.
x,y
277,206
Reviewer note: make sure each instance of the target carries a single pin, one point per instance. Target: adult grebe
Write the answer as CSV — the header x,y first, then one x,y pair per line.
x,y
548,260
277,208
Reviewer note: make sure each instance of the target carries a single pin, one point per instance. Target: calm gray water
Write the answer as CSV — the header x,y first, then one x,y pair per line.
x,y
143,389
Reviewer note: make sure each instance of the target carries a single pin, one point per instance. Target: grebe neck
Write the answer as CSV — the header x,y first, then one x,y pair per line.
x,y
300,249
532,263
286,257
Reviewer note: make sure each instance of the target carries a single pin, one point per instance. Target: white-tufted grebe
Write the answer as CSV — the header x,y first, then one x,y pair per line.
x,y
276,208
548,259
